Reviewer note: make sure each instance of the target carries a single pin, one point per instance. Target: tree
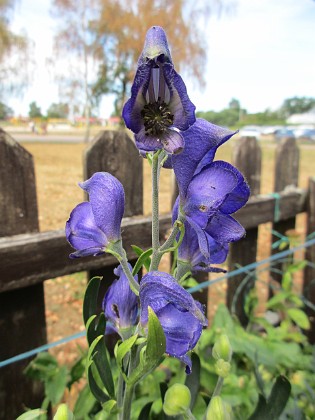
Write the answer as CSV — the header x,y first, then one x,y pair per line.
x,y
297,105
75,41
121,30
34,111
60,110
234,104
14,53
5,111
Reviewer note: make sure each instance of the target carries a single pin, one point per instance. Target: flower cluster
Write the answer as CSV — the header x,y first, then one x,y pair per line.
x,y
162,117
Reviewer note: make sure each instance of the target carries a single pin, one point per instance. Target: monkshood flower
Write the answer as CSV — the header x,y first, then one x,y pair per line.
x,y
209,192
189,253
94,225
120,305
182,318
159,108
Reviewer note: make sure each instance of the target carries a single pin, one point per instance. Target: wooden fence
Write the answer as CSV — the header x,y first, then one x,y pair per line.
x,y
29,257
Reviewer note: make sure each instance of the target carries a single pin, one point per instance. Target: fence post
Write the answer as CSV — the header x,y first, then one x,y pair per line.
x,y
247,158
115,152
286,174
22,311
309,271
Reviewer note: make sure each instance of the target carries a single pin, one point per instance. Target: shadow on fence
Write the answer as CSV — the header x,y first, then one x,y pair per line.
x,y
29,257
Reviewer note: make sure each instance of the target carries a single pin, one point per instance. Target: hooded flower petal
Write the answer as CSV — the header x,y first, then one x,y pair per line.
x,y
93,225
107,198
120,304
82,232
181,317
201,142
159,100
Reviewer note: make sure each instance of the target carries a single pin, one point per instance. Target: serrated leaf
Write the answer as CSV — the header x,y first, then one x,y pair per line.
x,y
31,414
193,380
97,353
156,339
98,393
144,259
122,350
300,318
90,298
279,396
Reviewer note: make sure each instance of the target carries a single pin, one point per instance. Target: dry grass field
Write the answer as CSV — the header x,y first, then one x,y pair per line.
x,y
59,169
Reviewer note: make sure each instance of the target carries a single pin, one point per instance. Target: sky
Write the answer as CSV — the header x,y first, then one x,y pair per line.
x,y
260,53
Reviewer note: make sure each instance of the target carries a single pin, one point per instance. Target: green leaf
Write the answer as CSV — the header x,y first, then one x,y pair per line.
x,y
109,406
273,407
156,339
151,355
84,404
279,396
90,298
122,350
77,371
137,250
98,393
145,412
144,259
42,367
31,414
56,385
98,353
193,380
277,299
300,318
63,413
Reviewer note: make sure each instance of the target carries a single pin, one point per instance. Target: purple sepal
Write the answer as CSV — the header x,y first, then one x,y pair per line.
x,y
120,304
181,317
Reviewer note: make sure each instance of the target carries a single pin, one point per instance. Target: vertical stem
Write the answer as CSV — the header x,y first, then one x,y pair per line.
x,y
125,415
218,387
155,207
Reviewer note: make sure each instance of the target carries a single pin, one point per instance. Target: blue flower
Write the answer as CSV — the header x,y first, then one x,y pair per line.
x,y
209,192
189,253
120,305
182,318
93,225
159,108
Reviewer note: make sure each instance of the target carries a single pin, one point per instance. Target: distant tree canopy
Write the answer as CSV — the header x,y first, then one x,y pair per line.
x,y
5,111
14,49
297,105
60,110
34,111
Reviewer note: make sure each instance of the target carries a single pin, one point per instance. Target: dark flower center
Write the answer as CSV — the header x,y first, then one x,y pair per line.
x,y
156,118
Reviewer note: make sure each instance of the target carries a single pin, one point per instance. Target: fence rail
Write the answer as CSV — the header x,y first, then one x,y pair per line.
x,y
29,257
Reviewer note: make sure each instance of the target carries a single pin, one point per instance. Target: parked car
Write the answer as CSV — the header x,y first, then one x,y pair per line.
x,y
305,134
283,132
250,131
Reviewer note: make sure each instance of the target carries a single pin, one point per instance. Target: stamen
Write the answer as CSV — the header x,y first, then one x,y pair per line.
x,y
156,118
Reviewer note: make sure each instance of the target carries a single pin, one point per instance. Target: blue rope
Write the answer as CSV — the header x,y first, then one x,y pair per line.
x,y
45,347
200,286
276,214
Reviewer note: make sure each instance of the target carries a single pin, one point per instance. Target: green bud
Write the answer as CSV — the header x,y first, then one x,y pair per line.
x,y
177,400
222,348
63,413
219,410
222,368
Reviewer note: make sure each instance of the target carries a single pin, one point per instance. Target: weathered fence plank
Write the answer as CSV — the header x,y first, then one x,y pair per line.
x,y
27,259
247,158
309,272
116,153
286,175
22,311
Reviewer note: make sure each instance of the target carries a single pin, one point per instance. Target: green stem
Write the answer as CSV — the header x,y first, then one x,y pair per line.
x,y
189,415
125,415
120,391
155,207
218,387
118,251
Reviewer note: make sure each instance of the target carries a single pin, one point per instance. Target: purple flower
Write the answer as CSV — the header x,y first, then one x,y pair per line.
x,y
120,304
159,108
93,225
190,255
181,317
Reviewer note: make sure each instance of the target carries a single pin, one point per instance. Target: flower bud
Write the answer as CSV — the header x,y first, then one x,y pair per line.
x,y
63,413
218,410
177,400
222,348
222,368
